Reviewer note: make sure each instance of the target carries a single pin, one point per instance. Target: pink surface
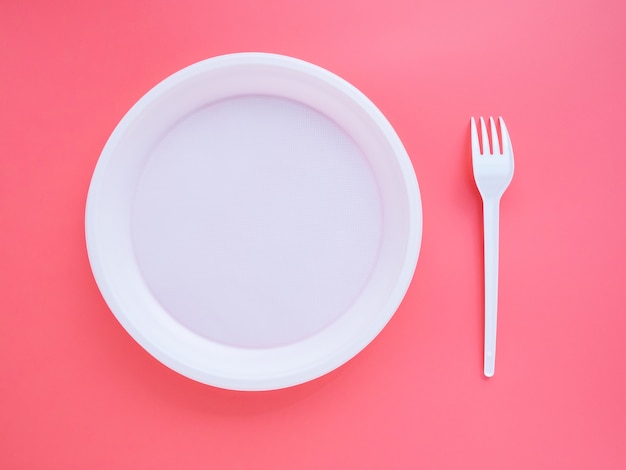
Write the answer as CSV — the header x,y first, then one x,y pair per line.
x,y
78,392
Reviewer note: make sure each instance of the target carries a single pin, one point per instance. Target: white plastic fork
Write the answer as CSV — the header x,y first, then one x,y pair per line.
x,y
493,171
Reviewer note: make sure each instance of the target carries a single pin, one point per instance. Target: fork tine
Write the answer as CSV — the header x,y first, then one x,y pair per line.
x,y
506,140
485,137
475,144
495,145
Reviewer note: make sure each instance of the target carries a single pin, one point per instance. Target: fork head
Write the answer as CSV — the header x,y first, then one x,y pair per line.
x,y
493,167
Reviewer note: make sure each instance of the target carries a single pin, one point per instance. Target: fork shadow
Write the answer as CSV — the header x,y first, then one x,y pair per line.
x,y
475,209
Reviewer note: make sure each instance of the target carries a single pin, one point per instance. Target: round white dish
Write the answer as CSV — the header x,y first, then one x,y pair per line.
x,y
253,221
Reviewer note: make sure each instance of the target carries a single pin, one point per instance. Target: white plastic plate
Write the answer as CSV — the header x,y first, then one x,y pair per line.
x,y
253,221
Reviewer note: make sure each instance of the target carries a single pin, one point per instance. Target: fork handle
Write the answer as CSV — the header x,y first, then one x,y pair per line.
x,y
491,219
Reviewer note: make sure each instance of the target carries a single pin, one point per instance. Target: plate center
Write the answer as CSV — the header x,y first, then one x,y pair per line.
x,y
256,222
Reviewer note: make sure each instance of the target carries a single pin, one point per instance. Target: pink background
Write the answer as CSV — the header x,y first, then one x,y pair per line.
x,y
77,392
